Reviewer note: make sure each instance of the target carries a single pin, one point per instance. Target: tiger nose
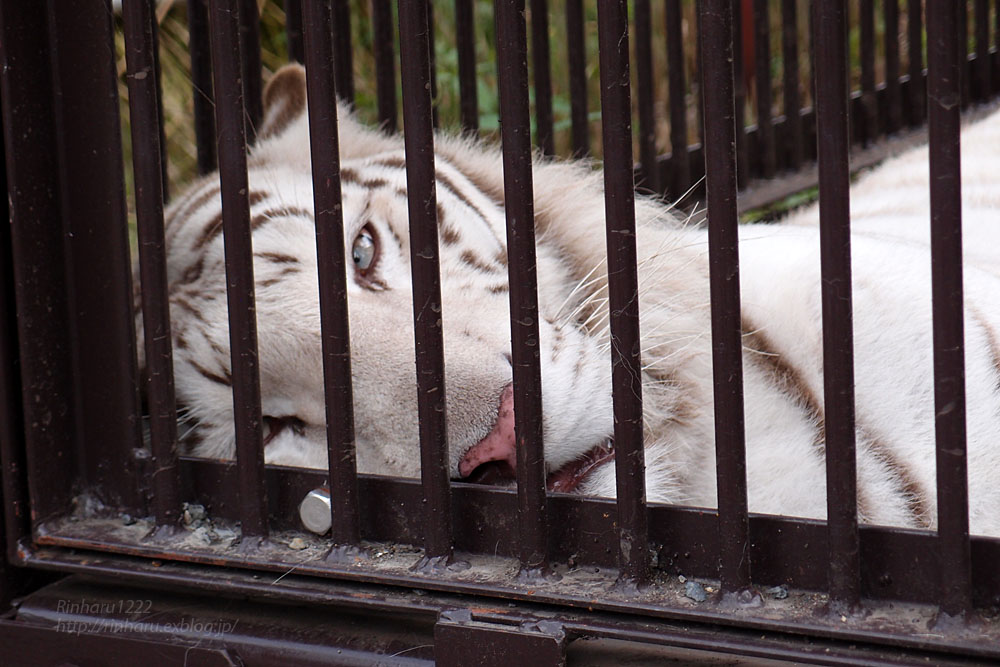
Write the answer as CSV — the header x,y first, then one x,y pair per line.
x,y
500,444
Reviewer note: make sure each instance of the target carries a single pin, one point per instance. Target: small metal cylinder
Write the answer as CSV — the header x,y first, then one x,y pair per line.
x,y
314,511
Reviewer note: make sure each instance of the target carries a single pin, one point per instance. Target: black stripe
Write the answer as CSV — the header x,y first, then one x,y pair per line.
x,y
277,257
214,227
791,382
225,381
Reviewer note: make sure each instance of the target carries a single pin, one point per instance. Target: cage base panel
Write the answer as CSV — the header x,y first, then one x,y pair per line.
x,y
586,602
247,619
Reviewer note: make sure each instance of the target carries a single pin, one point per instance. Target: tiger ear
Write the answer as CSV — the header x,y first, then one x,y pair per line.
x,y
284,100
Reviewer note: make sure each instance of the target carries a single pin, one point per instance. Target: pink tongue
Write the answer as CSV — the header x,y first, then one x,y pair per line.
x,y
500,444
494,458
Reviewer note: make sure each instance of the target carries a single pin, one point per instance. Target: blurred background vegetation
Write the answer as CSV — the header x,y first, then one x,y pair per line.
x,y
177,91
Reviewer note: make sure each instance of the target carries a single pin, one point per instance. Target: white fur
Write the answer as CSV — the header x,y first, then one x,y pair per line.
x,y
781,298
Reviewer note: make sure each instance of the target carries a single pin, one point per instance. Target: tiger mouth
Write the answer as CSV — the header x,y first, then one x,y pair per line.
x,y
566,479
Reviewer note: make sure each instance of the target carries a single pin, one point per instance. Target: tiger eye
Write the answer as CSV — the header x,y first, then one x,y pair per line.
x,y
363,251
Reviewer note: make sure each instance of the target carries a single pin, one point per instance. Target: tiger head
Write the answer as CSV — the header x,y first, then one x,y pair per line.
x,y
475,313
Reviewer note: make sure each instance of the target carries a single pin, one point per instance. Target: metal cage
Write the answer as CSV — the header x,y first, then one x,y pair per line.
x,y
416,571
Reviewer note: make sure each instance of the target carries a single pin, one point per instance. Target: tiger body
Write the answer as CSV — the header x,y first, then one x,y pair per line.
x,y
780,286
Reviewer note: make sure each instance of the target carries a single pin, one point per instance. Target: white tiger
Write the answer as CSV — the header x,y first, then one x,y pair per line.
x,y
781,316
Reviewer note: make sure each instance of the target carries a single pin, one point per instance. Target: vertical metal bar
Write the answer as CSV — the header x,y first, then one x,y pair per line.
x,y
251,73
833,137
723,249
414,54
515,126
542,72
385,64
893,92
201,82
915,36
343,61
293,30
943,94
680,162
465,31
229,115
155,46
762,65
792,133
963,50
577,56
644,84
432,60
623,290
869,122
812,52
143,93
325,148
983,65
37,240
16,509
740,98
94,223
699,77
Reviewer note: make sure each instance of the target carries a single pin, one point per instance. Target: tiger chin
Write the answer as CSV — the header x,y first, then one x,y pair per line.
x,y
780,287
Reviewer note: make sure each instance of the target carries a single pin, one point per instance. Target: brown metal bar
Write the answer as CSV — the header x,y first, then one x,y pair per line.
x,y
893,90
623,290
251,72
432,56
155,47
143,93
37,240
232,147
792,133
343,61
983,65
644,85
866,16
812,54
94,223
762,64
383,44
14,490
201,82
740,98
963,50
699,78
293,30
541,70
723,249
917,101
577,56
465,33
943,94
414,54
325,147
515,127
680,166
833,138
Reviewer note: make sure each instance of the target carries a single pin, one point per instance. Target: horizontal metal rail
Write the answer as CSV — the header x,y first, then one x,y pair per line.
x,y
897,563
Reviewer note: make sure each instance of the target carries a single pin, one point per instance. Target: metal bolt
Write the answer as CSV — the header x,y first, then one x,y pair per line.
x,y
314,511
